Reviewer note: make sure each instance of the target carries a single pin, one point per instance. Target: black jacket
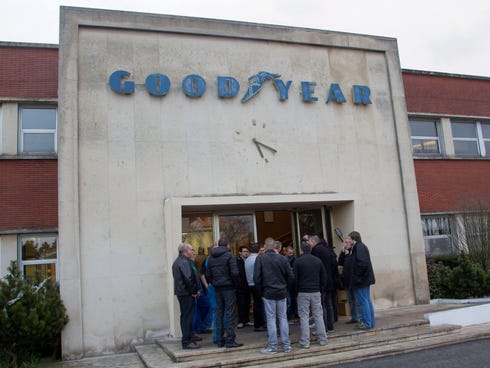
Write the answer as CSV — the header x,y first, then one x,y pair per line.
x,y
273,275
362,274
309,274
345,260
329,262
185,282
222,270
243,287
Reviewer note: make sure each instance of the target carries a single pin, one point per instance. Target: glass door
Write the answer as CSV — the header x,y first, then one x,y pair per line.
x,y
239,229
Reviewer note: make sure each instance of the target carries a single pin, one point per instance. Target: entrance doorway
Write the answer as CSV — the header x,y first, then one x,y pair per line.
x,y
202,230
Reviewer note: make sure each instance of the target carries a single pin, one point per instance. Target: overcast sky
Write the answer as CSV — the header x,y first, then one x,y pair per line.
x,y
434,35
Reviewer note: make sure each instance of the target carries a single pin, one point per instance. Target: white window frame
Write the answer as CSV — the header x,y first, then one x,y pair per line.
x,y
436,137
482,139
23,131
479,139
449,236
23,263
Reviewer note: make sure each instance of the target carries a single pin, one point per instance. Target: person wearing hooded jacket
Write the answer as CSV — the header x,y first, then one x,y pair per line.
x,y
222,272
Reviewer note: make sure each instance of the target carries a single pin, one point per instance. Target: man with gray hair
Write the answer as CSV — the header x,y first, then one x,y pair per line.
x,y
186,289
272,276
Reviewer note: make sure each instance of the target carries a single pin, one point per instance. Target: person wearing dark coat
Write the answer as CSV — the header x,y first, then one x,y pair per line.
x,y
345,260
222,273
186,289
243,294
272,277
320,251
361,278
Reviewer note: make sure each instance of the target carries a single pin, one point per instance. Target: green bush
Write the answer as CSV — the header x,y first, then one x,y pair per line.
x,y
32,316
464,280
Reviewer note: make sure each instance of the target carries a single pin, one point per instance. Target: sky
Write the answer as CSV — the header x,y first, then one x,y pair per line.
x,y
433,35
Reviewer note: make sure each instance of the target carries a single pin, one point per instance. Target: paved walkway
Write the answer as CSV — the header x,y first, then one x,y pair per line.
x,y
248,336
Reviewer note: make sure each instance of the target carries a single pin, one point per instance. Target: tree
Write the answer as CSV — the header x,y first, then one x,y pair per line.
x,y
473,235
32,316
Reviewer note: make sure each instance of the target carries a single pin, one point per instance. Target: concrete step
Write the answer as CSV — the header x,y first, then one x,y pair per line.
x,y
343,346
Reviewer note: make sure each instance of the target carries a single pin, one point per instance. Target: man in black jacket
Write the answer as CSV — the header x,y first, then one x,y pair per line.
x,y
222,273
361,278
321,251
311,279
186,289
272,276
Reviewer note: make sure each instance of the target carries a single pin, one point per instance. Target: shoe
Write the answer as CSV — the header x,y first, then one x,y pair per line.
x,y
220,344
240,325
302,346
362,326
234,344
313,333
351,321
288,349
249,324
196,338
323,343
269,351
331,331
192,345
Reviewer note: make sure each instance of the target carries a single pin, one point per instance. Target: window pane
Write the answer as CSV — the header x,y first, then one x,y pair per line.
x,y
38,118
421,128
197,230
310,222
238,229
37,248
38,142
463,130
43,270
485,128
425,146
487,148
466,148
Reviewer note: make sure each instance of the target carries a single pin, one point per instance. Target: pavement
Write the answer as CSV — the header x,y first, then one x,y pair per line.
x,y
385,318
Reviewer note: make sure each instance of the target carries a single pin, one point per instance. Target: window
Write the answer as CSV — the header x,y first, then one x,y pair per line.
x,y
425,137
485,131
38,130
39,255
438,235
471,138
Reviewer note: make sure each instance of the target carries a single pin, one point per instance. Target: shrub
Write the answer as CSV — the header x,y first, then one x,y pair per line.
x,y
32,316
465,280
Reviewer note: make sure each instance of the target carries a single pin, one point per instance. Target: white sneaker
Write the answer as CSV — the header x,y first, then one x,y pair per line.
x,y
268,350
287,349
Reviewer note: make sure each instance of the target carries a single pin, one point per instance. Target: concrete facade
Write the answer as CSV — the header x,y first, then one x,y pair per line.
x,y
129,165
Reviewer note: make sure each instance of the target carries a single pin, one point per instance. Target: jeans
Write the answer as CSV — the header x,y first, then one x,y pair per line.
x,y
328,312
276,310
186,304
243,306
366,307
225,307
353,304
258,308
305,301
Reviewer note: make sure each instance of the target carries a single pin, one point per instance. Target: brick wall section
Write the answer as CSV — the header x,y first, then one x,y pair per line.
x,y
28,194
449,185
28,72
446,95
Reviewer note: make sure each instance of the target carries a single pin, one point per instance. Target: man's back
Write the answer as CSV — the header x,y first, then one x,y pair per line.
x,y
310,275
273,275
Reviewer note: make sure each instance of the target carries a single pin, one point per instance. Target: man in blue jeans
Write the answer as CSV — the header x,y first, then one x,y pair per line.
x,y
361,278
272,277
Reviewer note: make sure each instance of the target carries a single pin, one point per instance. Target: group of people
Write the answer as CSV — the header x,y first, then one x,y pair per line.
x,y
279,286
